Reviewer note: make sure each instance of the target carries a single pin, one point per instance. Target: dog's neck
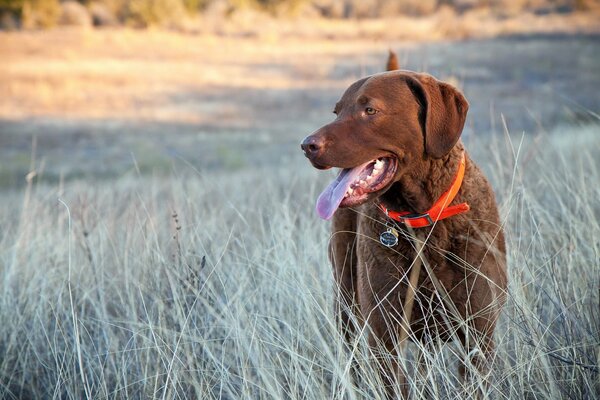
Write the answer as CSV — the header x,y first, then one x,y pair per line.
x,y
418,189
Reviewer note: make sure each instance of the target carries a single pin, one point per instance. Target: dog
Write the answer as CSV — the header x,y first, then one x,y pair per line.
x,y
407,184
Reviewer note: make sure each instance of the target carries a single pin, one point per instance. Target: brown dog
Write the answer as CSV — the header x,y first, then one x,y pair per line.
x,y
396,139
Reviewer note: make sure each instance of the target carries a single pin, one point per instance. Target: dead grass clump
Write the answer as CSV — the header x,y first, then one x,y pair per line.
x,y
74,14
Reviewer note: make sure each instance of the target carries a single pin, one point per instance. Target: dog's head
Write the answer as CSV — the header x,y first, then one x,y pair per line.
x,y
383,123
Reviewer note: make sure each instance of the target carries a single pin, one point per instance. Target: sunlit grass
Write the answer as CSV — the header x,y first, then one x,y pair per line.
x,y
217,285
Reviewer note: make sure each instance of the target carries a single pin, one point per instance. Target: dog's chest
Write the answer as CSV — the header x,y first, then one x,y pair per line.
x,y
383,271
399,257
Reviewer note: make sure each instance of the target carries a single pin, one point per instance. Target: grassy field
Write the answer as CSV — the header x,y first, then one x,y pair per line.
x,y
217,285
163,243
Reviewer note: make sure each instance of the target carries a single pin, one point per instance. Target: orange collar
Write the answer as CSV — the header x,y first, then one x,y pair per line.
x,y
439,210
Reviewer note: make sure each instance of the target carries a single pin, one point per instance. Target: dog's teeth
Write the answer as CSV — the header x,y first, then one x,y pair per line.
x,y
362,183
370,179
349,192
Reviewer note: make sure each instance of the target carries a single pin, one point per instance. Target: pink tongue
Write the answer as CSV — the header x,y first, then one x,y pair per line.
x,y
333,195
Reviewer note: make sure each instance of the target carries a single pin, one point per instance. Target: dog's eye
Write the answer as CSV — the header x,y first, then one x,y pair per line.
x,y
335,112
370,111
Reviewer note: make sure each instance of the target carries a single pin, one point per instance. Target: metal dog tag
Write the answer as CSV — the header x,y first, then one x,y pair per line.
x,y
389,238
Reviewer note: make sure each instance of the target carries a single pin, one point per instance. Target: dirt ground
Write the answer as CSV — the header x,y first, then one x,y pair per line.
x,y
101,103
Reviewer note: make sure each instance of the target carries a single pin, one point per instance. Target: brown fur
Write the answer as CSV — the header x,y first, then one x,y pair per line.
x,y
419,122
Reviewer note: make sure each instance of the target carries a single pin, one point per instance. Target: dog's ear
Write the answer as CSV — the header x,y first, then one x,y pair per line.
x,y
392,62
443,113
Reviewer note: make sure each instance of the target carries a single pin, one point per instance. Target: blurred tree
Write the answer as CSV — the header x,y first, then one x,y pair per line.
x,y
585,5
406,7
103,13
195,6
74,14
15,5
274,6
40,13
145,13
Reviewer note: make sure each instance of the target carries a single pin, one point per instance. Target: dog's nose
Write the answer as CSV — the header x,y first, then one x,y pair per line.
x,y
312,146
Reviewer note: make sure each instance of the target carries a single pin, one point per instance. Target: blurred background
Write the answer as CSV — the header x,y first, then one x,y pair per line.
x,y
108,87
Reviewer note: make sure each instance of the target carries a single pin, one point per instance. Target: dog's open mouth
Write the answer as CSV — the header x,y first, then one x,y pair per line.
x,y
353,185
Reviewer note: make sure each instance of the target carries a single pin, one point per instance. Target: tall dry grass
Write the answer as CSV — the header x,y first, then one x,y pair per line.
x,y
215,285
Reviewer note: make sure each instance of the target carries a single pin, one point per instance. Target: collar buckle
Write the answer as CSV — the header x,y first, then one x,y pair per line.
x,y
407,219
